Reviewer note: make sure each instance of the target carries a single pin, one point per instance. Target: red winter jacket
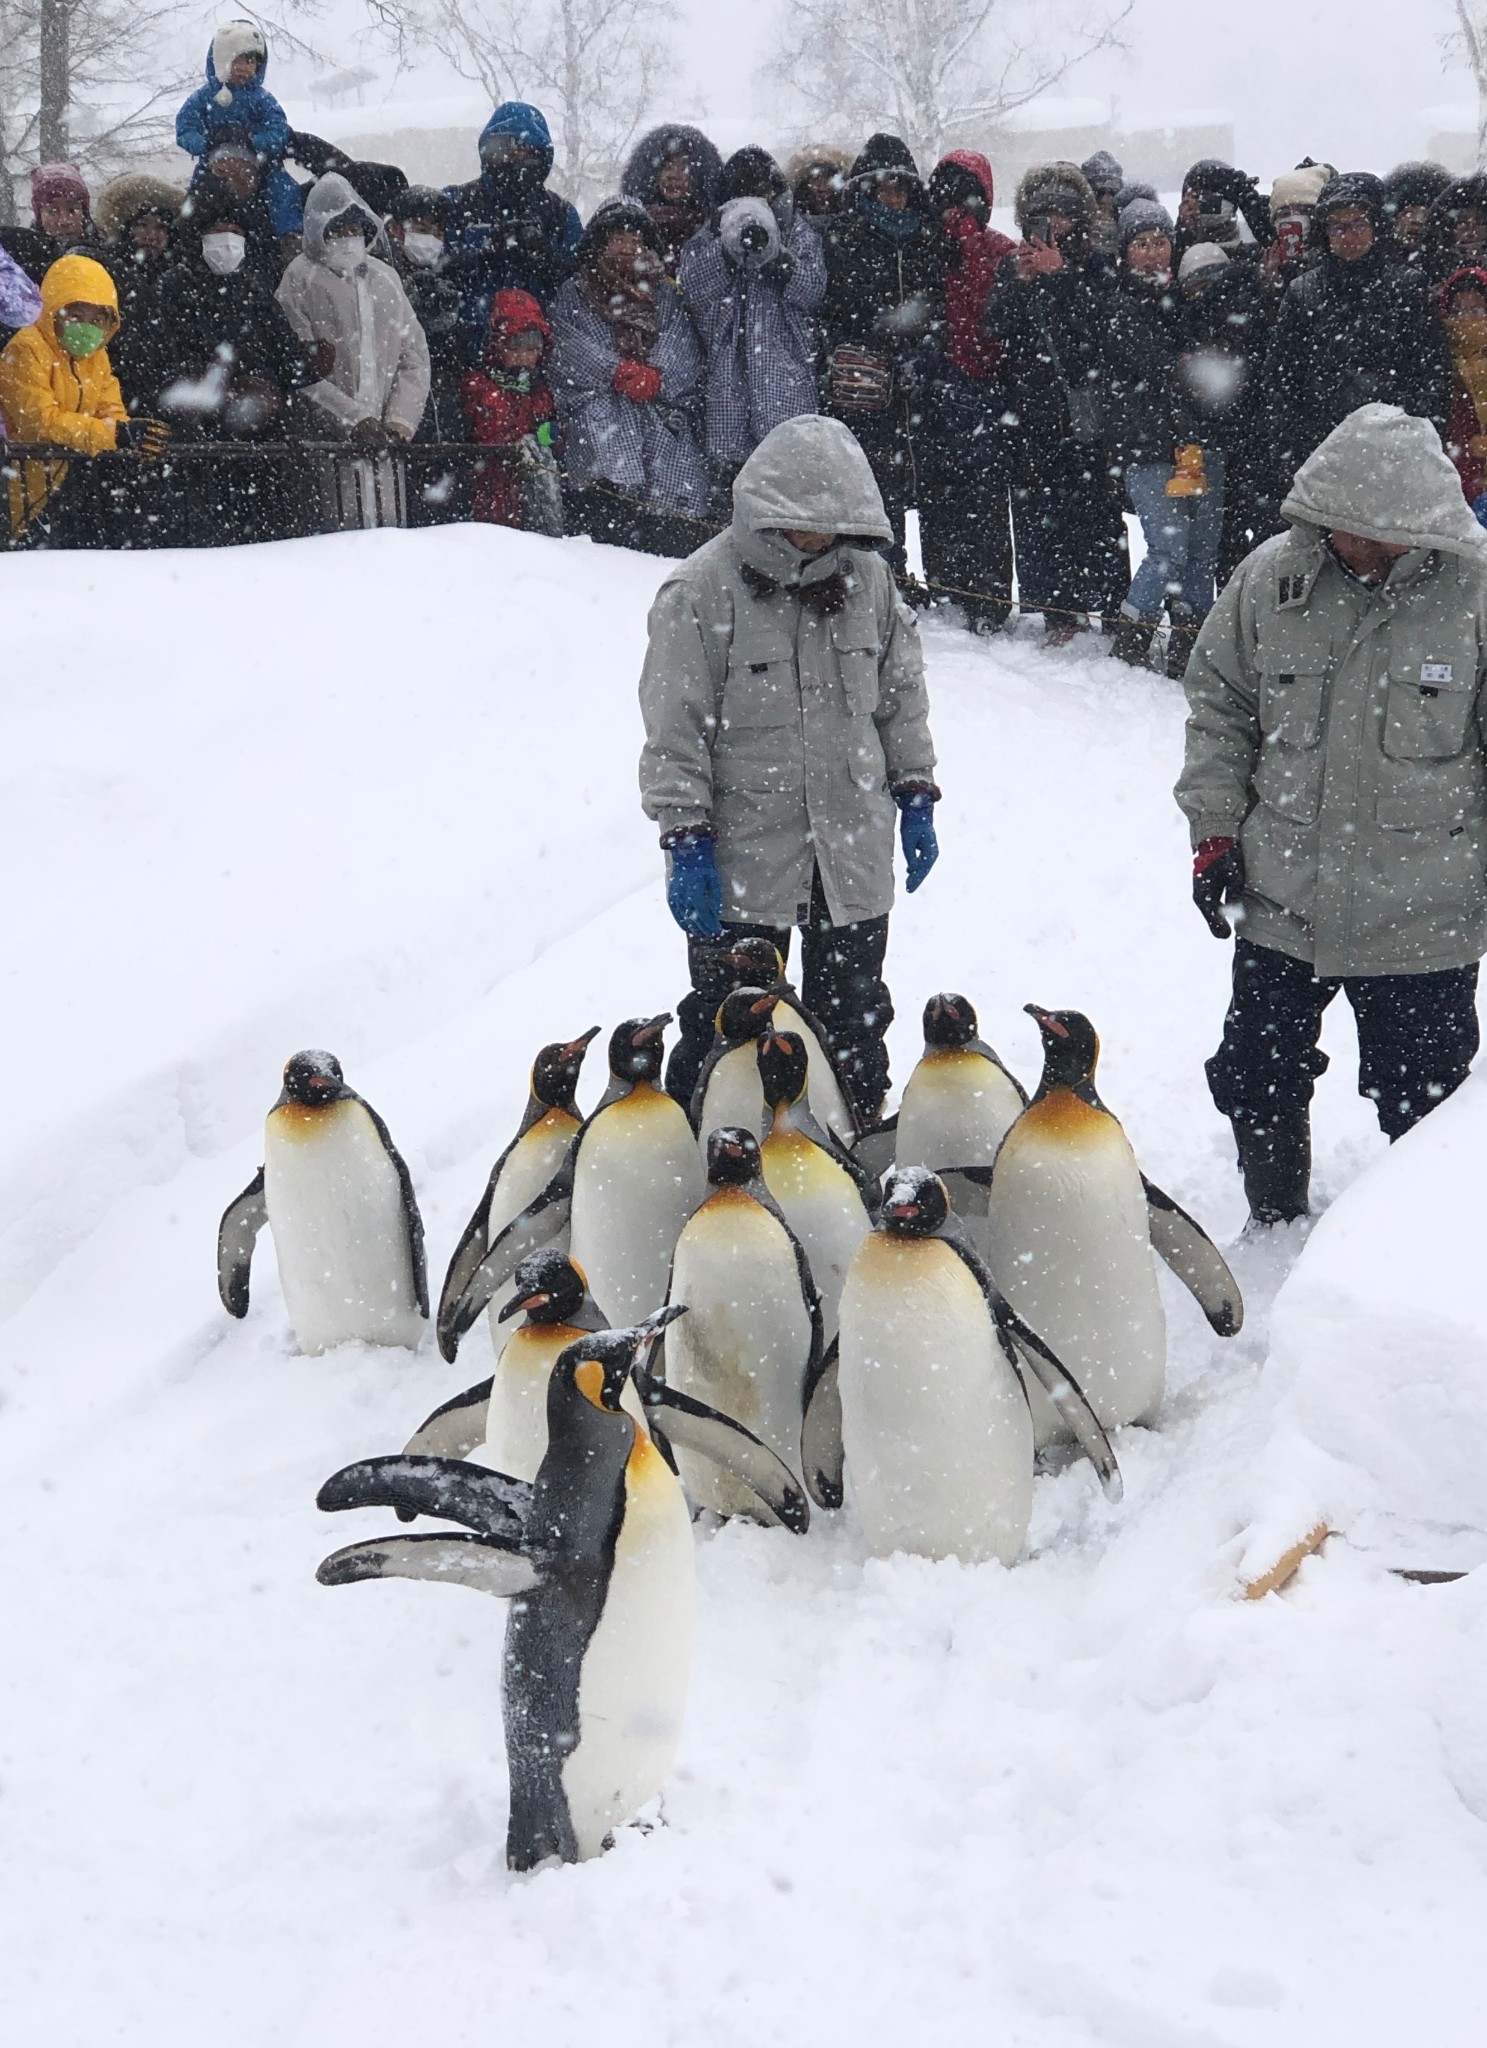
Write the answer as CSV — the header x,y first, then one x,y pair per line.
x,y
975,353
499,415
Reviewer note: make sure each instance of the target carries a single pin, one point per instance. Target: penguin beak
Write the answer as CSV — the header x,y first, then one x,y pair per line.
x,y
528,1301
650,1032
577,1047
902,1212
1046,1023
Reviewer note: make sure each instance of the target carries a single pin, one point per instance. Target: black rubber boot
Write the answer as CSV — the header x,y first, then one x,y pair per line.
x,y
1132,641
1275,1163
1180,642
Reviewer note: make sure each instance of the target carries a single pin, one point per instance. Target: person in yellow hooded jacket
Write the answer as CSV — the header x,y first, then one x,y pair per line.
x,y
57,385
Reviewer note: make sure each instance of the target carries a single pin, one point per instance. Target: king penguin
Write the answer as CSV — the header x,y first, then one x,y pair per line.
x,y
960,1101
760,961
548,1127
597,1559
629,1182
751,1345
935,1421
728,1091
1072,1223
338,1199
502,1422
823,1193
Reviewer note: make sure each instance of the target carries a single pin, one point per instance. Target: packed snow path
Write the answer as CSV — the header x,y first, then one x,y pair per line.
x,y
377,793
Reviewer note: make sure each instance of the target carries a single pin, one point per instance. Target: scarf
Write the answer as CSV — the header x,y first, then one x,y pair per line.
x,y
893,223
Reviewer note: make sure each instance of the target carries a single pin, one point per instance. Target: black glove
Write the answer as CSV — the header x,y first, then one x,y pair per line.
x,y
1225,182
780,271
1218,878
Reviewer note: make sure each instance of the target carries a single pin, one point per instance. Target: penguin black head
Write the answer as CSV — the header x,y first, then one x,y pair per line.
x,y
597,1366
783,1067
1071,1049
314,1079
757,963
556,1069
732,1157
949,1021
636,1047
745,1014
915,1203
549,1287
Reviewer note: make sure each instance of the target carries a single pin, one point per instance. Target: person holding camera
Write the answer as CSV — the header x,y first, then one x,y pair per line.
x,y
751,279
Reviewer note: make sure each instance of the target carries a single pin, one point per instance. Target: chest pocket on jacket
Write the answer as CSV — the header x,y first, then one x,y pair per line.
x,y
856,644
759,691
1288,775
1428,720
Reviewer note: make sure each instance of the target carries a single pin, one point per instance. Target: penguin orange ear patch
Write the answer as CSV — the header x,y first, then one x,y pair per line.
x,y
588,1377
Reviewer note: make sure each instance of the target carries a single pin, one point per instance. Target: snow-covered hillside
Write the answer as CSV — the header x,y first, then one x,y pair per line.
x,y
377,793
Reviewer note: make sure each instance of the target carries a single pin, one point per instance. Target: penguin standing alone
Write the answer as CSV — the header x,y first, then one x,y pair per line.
x,y
597,1559
751,1345
339,1202
548,1127
1072,1223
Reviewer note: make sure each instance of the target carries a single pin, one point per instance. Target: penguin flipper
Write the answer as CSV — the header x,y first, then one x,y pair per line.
x,y
455,1428
1187,1248
821,1453
471,1561
692,1426
468,1253
878,1148
969,1188
537,1225
1064,1392
237,1234
492,1504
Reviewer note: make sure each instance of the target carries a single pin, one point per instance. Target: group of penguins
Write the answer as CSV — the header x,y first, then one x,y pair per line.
x,y
746,1309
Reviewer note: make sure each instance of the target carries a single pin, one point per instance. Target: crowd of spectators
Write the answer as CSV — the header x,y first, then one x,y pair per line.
x,y
295,342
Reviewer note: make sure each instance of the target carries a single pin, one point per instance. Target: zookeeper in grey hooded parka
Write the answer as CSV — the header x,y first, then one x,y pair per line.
x,y
1336,788
787,725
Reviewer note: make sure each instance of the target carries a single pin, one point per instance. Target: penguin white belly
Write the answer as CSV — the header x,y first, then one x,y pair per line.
x,y
516,1416
637,1180
745,1342
335,1207
530,1165
823,1208
1071,1250
956,1110
734,1095
823,1091
937,1434
632,1688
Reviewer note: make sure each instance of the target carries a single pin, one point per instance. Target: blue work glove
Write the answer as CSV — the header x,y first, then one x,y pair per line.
x,y
1479,509
916,831
694,888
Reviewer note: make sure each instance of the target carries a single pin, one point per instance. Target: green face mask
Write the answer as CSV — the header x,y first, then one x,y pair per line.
x,y
82,337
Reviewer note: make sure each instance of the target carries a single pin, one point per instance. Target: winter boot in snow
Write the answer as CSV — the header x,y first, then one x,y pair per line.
x,y
1132,642
1180,641
1275,1162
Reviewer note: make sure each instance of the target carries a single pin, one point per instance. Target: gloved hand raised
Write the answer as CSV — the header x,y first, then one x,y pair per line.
x,y
916,832
142,437
694,888
1218,878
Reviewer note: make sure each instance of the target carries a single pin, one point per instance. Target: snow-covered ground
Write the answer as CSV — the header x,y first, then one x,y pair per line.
x,y
377,793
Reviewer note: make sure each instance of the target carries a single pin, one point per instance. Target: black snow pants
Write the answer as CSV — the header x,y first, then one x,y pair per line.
x,y
965,521
1072,555
1417,1038
841,984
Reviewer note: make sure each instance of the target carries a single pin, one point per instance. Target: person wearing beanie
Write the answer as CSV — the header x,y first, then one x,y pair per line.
x,y
1456,228
1334,780
61,219
627,372
1290,249
1174,484
417,227
1132,190
234,97
1048,310
1215,199
137,216
506,227
1354,329
817,176
1105,179
883,320
1410,190
965,471
673,174
752,279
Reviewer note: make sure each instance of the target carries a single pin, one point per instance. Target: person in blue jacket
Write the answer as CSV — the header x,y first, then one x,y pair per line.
x,y
506,228
234,98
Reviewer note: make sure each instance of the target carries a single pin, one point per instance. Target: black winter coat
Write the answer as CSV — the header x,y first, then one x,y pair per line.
x,y
234,321
134,351
1348,334
505,232
1220,378
1145,333
435,299
1052,333
882,294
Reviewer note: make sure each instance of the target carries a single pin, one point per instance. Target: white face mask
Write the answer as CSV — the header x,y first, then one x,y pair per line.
x,y
345,254
224,253
424,250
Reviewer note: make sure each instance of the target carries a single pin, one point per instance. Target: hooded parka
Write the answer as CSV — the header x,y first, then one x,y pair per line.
x,y
1339,730
781,723
48,395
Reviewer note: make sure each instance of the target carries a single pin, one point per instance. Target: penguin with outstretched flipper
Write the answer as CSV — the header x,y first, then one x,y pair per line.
x,y
338,1200
1072,1224
597,1558
548,1127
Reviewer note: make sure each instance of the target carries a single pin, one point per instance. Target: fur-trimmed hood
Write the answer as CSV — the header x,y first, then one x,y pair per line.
x,y
124,199
1056,188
